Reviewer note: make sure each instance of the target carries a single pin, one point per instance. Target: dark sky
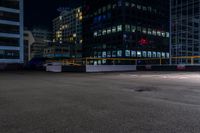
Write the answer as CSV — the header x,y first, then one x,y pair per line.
x,y
41,12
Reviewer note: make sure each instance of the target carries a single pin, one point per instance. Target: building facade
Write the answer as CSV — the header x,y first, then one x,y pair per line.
x,y
11,32
126,29
67,31
185,29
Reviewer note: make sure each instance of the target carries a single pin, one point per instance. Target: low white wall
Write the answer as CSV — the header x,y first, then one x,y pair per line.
x,y
110,68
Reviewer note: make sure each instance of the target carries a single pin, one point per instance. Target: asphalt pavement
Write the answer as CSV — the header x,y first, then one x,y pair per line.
x,y
131,102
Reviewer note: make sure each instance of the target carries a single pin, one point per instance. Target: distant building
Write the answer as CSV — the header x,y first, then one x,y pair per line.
x,y
185,29
11,32
28,41
56,52
126,29
41,40
67,31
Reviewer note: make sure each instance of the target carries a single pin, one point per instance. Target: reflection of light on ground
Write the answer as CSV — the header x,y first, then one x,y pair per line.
x,y
172,75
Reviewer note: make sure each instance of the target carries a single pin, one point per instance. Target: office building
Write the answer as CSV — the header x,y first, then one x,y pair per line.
x,y
126,29
11,32
67,31
185,29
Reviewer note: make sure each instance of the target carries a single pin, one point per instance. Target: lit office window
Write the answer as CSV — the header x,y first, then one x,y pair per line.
x,y
149,54
104,32
127,4
167,34
127,53
103,61
158,54
144,30
167,55
163,34
114,29
149,31
139,7
95,33
163,55
114,53
154,55
144,54
119,28
128,28
99,54
139,54
99,33
158,33
99,62
144,8
139,28
108,30
109,54
104,54
132,5
133,28
119,53
133,53
154,32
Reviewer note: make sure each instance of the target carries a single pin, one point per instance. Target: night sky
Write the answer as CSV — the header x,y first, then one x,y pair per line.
x,y
40,13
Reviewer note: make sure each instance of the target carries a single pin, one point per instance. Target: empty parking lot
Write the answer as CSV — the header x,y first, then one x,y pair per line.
x,y
137,102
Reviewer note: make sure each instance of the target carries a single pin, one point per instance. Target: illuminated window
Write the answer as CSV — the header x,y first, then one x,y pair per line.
x,y
99,54
149,31
114,29
144,30
144,54
154,54
139,54
99,62
158,54
108,54
95,33
133,53
163,55
139,7
128,28
119,28
132,5
158,33
104,54
99,33
163,34
114,53
167,34
104,32
139,28
127,4
154,32
119,53
108,30
167,55
133,28
144,8
103,61
127,53
149,54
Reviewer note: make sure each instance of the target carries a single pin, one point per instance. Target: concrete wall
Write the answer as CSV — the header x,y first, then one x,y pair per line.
x,y
110,68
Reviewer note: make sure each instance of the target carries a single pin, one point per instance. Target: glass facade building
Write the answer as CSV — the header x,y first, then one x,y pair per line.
x,y
185,29
126,29
11,31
